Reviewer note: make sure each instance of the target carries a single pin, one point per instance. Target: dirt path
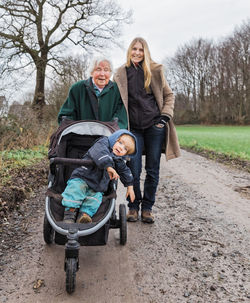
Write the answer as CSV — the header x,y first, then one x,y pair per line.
x,y
198,250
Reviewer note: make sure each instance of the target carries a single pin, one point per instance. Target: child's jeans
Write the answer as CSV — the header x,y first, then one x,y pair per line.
x,y
78,194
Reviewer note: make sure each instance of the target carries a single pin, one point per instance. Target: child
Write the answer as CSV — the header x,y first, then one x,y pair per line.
x,y
83,193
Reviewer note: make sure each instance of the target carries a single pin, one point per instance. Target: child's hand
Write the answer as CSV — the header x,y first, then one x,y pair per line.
x,y
112,173
130,193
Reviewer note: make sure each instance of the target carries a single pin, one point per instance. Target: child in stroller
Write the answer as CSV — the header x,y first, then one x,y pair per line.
x,y
83,194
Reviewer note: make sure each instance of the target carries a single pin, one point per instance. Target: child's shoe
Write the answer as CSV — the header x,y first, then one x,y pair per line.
x,y
70,215
83,218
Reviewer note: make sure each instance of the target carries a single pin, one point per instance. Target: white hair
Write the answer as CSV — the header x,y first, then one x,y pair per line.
x,y
97,61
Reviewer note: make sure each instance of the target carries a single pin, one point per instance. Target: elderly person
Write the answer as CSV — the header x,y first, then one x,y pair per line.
x,y
96,98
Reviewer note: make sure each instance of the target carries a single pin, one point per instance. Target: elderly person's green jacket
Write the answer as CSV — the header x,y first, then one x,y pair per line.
x,y
164,98
83,104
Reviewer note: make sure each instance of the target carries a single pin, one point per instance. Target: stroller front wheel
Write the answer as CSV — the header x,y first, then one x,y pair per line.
x,y
71,269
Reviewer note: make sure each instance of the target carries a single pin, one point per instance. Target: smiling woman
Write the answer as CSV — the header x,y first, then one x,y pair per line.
x,y
96,98
101,74
150,103
137,53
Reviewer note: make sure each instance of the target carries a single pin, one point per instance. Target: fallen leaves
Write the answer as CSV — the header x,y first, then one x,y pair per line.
x,y
38,283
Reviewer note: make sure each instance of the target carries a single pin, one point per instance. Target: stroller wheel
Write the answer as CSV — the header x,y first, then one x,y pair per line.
x,y
71,269
123,224
48,232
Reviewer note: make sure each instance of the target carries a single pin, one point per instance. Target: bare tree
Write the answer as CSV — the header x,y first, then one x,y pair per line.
x,y
240,58
212,81
71,70
3,106
39,33
190,69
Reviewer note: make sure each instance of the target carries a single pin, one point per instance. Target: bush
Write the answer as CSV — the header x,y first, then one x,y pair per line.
x,y
21,129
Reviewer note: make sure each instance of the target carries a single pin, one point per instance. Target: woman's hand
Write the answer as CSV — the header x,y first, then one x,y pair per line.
x,y
112,173
162,121
159,125
130,193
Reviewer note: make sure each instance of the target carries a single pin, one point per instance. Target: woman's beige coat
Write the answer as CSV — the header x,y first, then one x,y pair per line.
x,y
164,98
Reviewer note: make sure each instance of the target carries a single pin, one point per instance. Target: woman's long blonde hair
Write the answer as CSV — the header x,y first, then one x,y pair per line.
x,y
146,61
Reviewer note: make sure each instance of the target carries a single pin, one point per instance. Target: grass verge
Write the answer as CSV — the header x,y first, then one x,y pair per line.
x,y
16,159
229,144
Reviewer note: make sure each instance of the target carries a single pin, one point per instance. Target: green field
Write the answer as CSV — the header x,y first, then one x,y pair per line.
x,y
232,141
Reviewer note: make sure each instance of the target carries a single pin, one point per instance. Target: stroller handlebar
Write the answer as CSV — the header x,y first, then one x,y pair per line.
x,y
70,161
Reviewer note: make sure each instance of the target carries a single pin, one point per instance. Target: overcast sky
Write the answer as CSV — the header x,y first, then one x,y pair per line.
x,y
168,24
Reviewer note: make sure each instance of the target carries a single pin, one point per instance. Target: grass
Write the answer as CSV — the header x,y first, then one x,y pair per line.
x,y
231,141
19,158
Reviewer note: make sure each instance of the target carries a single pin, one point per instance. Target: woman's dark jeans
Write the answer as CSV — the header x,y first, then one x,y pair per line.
x,y
151,139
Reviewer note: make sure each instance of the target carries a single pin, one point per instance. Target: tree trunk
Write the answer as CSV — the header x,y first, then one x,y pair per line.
x,y
39,98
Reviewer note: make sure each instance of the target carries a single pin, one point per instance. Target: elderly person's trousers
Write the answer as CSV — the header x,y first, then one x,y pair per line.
x,y
151,140
78,194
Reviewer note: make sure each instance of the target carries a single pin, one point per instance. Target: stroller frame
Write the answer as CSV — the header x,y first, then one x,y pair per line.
x,y
76,235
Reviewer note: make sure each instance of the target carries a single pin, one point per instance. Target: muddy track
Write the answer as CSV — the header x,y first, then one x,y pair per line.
x,y
198,250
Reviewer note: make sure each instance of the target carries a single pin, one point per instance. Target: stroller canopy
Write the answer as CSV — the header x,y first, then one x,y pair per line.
x,y
82,127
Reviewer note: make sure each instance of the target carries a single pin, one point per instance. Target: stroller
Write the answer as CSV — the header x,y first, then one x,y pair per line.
x,y
67,146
